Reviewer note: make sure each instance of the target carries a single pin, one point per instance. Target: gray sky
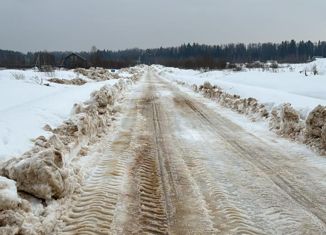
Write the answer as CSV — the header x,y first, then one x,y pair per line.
x,y
29,25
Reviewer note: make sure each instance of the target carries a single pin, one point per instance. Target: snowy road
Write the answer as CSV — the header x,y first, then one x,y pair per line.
x,y
177,166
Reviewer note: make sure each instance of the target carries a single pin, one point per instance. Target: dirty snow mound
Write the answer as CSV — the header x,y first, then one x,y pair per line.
x,y
247,106
316,128
97,74
42,175
285,120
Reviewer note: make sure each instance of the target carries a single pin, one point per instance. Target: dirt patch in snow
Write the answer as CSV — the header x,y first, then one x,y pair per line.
x,y
75,81
46,172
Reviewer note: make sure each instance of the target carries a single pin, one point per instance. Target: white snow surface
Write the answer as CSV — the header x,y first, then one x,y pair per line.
x,y
289,84
26,106
8,193
34,76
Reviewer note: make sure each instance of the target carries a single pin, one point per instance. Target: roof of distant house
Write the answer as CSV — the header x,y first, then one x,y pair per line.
x,y
75,54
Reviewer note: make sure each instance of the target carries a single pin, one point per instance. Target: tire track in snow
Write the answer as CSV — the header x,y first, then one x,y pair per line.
x,y
186,210
153,219
180,198
284,220
225,214
148,171
93,211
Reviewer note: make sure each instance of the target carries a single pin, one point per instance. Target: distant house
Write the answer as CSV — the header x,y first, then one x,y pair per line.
x,y
74,60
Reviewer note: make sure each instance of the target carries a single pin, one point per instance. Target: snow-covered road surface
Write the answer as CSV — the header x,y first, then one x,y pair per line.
x,y
178,166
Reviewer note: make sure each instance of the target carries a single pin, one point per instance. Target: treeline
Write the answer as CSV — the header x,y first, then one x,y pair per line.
x,y
184,56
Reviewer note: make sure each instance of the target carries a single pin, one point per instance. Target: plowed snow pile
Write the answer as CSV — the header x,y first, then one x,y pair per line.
x,y
45,174
30,99
293,104
75,81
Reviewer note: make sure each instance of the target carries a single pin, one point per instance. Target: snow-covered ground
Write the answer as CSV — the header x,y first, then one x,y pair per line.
x,y
289,84
34,76
108,127
78,115
26,105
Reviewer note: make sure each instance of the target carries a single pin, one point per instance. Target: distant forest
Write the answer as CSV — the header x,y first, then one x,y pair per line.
x,y
184,56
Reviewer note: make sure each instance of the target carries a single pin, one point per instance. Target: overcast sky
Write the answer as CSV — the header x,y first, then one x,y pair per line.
x,y
29,25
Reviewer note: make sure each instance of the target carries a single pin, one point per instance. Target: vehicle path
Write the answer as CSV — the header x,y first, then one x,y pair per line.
x,y
177,166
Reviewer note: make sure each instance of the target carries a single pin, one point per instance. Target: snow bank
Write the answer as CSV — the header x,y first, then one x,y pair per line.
x,y
15,212
43,171
98,74
47,171
301,121
26,106
42,174
248,106
284,119
315,132
101,74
